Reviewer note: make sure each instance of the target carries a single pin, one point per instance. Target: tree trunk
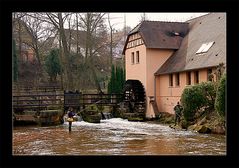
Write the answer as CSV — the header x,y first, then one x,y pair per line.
x,y
77,35
19,39
69,42
61,60
97,84
88,36
66,53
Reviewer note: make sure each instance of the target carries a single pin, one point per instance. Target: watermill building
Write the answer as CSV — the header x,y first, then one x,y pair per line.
x,y
166,57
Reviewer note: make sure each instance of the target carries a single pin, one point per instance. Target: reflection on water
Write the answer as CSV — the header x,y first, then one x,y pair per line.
x,y
114,137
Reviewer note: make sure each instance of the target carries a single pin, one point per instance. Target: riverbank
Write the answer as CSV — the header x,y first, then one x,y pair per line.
x,y
209,122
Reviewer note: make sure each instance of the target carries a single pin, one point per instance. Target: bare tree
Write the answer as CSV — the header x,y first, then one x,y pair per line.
x,y
143,17
91,22
17,29
77,34
111,41
38,33
58,20
69,20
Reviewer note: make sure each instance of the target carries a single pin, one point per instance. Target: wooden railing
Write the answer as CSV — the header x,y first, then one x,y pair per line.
x,y
45,100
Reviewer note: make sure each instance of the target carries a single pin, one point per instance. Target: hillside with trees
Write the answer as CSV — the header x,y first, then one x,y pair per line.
x,y
77,50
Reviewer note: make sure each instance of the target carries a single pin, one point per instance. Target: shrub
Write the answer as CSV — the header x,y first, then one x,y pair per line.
x,y
208,89
220,96
192,99
196,97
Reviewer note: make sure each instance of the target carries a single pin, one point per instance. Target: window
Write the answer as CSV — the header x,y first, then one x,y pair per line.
x,y
141,41
204,47
170,79
188,78
137,57
132,58
177,79
196,77
209,75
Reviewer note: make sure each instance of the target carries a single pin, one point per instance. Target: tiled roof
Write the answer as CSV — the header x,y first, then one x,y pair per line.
x,y
208,28
157,34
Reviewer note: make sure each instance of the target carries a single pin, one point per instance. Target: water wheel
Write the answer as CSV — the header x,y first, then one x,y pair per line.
x,y
135,96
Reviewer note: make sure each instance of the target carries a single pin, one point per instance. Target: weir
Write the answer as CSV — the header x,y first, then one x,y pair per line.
x,y
42,104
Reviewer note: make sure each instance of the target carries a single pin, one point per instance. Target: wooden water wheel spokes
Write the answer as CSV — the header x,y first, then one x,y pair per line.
x,y
135,95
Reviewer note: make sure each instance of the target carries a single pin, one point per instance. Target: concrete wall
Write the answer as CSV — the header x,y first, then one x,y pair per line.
x,y
155,59
136,71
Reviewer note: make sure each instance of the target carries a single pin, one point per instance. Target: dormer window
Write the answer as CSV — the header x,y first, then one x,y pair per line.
x,y
205,47
176,33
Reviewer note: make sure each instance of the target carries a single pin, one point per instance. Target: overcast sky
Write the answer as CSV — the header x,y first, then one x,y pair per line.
x,y
132,19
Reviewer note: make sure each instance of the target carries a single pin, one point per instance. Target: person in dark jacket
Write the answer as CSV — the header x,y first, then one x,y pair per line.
x,y
70,119
178,112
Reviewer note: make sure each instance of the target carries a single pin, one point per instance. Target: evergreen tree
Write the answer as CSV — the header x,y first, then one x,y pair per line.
x,y
111,85
52,64
15,61
117,80
124,75
122,78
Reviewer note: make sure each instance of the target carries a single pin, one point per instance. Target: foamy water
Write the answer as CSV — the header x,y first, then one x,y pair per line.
x,y
115,136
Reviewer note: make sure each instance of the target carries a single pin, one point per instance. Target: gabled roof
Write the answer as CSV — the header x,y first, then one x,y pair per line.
x,y
207,28
157,34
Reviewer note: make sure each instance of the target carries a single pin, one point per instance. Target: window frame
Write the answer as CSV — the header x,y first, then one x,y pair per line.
x,y
170,77
205,47
188,78
196,77
132,58
177,79
137,57
208,74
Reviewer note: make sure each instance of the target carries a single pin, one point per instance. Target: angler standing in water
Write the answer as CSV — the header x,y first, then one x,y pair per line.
x,y
70,119
178,112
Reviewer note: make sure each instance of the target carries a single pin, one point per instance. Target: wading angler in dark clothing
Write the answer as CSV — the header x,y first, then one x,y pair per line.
x,y
178,112
70,119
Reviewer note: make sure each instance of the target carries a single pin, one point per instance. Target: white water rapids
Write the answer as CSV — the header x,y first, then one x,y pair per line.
x,y
114,136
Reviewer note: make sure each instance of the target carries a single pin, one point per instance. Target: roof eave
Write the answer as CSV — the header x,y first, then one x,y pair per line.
x,y
185,70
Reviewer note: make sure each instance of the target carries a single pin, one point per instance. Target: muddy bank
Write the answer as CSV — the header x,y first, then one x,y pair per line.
x,y
207,123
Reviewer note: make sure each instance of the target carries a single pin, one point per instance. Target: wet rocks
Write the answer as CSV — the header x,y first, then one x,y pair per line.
x,y
41,118
106,115
209,123
91,116
133,116
50,117
124,112
135,119
219,129
165,118
202,129
176,127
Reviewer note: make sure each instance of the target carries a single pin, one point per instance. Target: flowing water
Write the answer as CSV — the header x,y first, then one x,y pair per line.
x,y
114,136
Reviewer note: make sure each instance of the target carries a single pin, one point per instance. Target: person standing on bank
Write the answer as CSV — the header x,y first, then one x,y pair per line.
x,y
178,112
70,119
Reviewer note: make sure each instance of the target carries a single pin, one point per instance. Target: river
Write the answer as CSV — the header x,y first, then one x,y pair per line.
x,y
114,136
